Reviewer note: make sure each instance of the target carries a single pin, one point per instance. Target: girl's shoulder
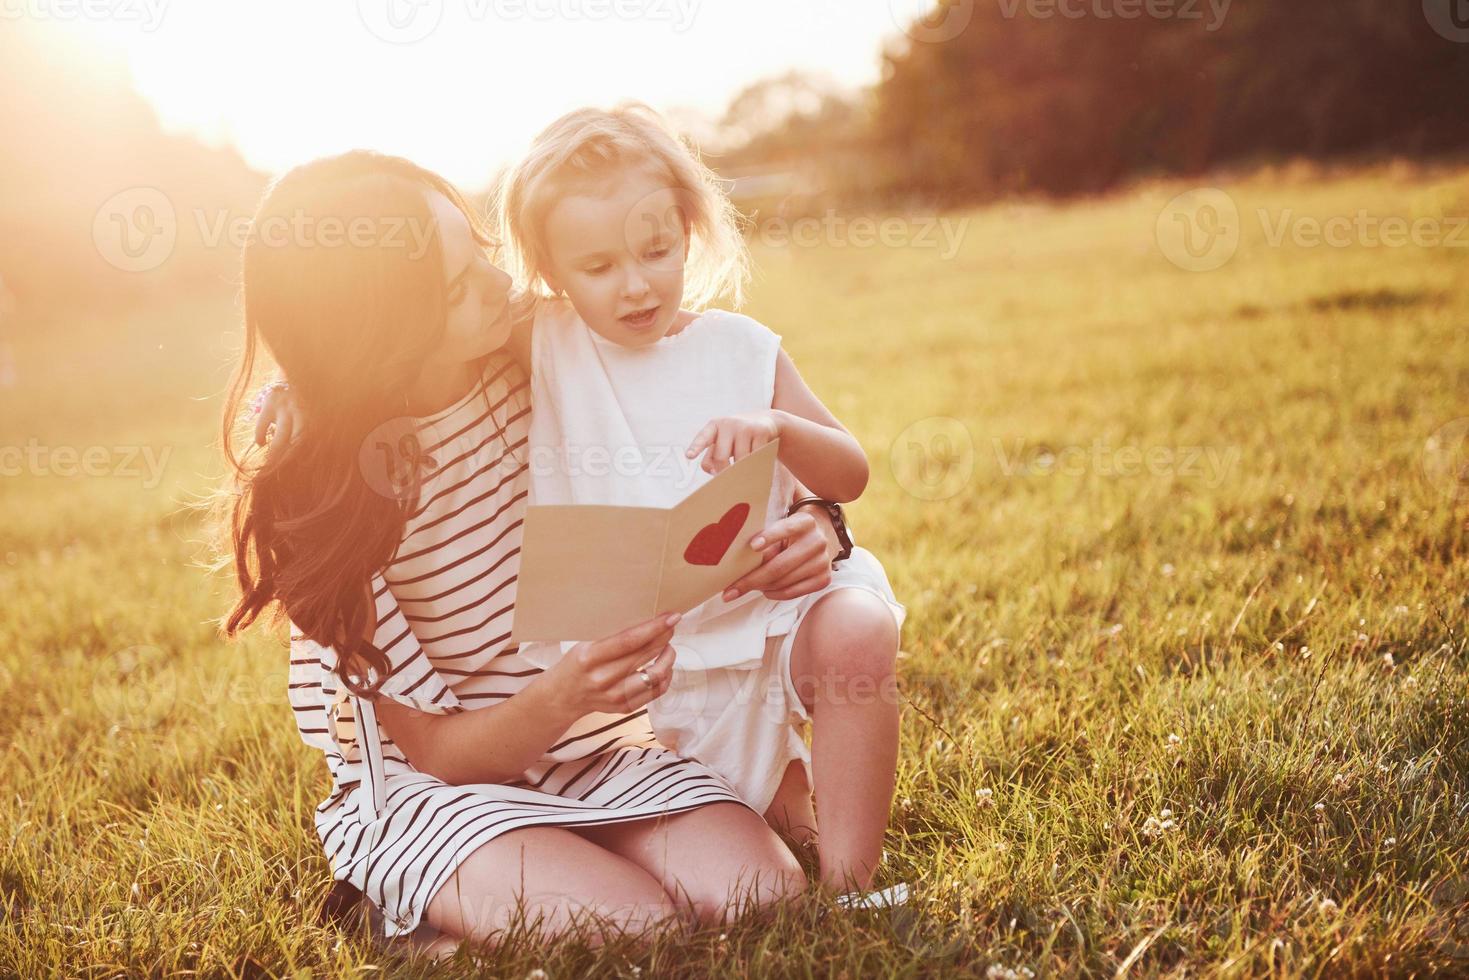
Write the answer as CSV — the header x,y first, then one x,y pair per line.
x,y
728,324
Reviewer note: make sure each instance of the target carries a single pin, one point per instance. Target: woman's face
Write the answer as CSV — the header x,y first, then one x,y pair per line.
x,y
478,292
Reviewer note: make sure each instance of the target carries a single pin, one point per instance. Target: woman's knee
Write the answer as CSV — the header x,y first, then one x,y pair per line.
x,y
760,877
548,881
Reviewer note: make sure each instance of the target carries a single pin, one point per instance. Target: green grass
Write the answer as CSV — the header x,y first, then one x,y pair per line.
x,y
1269,643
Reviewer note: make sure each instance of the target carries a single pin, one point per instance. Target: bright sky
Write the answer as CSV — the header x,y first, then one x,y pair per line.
x,y
461,85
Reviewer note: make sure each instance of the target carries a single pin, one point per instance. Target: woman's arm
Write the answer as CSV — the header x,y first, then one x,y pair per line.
x,y
497,744
797,554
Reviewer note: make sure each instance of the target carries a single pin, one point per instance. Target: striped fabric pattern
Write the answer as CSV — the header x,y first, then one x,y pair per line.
x,y
444,608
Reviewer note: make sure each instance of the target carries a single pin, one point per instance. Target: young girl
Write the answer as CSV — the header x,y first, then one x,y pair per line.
x,y
641,401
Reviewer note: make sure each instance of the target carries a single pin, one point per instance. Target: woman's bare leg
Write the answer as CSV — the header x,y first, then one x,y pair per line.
x,y
556,875
715,861
843,664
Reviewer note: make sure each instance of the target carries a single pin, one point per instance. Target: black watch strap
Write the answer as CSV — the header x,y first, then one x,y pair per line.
x,y
838,522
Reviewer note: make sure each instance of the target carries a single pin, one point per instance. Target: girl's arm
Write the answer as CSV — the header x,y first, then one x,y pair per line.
x,y
814,446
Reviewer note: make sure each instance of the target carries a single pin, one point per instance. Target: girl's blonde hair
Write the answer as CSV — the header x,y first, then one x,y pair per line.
x,y
587,147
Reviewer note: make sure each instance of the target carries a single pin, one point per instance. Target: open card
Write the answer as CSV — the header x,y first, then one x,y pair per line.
x,y
588,571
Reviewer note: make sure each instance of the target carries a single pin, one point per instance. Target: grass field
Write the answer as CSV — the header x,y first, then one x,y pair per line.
x,y
1185,560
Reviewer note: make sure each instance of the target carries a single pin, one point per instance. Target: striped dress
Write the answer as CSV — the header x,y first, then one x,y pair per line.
x,y
444,608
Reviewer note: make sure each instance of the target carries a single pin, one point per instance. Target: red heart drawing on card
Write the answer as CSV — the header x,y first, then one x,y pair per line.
x,y
713,540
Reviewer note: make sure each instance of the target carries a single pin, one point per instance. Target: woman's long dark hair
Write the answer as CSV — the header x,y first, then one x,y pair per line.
x,y
344,288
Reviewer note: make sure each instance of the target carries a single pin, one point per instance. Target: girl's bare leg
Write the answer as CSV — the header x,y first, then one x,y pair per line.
x,y
715,861
790,810
843,664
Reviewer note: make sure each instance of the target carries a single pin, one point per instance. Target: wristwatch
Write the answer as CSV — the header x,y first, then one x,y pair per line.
x,y
838,522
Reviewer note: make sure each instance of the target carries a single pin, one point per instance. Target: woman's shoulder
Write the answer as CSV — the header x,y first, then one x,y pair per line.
x,y
504,378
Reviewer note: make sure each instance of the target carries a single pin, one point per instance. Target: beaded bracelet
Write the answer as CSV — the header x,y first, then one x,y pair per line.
x,y
257,404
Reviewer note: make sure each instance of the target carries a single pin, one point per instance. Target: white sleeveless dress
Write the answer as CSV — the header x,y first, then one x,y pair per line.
x,y
444,608
612,424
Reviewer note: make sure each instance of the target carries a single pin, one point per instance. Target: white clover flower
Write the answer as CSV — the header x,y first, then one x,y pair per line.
x,y
1155,827
998,972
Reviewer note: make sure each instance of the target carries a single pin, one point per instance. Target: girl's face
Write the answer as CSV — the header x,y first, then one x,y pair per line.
x,y
478,298
620,256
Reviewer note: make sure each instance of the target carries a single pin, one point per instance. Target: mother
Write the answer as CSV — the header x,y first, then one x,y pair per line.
x,y
366,278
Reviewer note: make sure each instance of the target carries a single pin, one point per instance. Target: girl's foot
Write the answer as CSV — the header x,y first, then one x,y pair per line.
x,y
887,898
